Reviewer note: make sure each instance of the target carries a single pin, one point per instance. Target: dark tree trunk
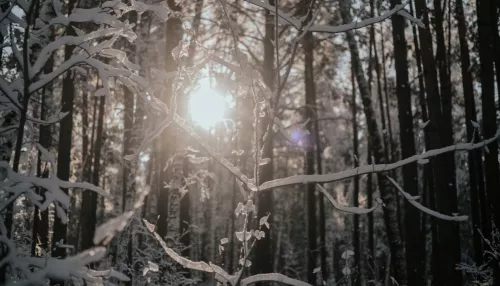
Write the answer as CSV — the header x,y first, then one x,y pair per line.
x,y
387,137
387,194
321,202
414,253
89,200
65,144
486,15
427,180
310,94
496,46
355,194
264,247
475,158
371,235
173,35
41,218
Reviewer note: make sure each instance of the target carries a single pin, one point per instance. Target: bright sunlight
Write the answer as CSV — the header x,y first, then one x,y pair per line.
x,y
207,105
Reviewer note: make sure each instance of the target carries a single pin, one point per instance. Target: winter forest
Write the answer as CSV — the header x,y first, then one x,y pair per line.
x,y
249,142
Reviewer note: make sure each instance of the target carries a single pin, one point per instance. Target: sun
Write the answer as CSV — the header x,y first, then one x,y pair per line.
x,y
207,105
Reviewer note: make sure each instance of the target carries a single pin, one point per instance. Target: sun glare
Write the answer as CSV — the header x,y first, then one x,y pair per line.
x,y
207,105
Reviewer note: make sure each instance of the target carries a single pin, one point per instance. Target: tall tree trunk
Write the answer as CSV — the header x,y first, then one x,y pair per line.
x,y
321,202
128,169
496,45
355,194
387,137
414,253
264,247
427,180
41,218
390,150
173,35
65,143
371,235
485,19
89,201
387,194
475,157
310,114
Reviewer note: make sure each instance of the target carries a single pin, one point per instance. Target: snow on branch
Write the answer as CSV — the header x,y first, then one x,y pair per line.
x,y
220,274
36,270
367,169
351,210
275,277
412,200
298,23
53,186
195,265
217,156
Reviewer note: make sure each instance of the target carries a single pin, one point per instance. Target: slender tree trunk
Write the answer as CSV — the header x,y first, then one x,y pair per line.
x,y
388,135
264,247
41,218
310,94
390,150
387,194
414,253
173,35
496,46
128,169
355,195
89,204
371,235
427,180
322,219
475,157
65,144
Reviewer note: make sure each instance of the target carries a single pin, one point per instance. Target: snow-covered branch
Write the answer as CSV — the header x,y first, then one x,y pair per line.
x,y
351,210
367,169
412,200
53,186
220,274
195,265
273,277
298,23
